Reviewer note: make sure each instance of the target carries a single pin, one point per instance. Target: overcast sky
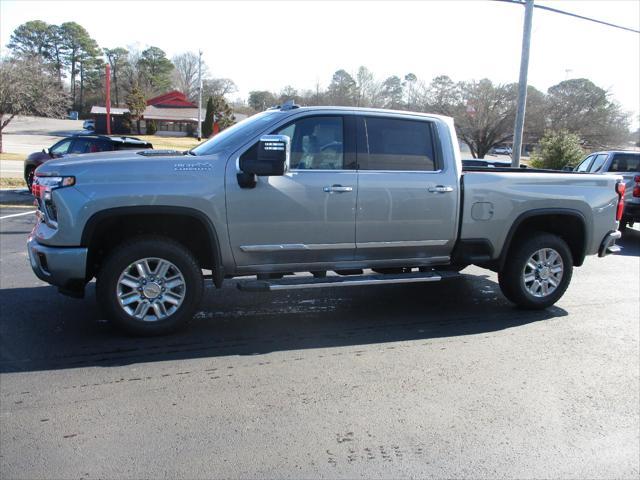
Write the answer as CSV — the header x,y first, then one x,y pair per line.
x,y
268,44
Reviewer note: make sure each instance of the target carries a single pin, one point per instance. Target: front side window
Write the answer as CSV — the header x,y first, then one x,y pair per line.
x,y
316,143
396,144
61,148
598,162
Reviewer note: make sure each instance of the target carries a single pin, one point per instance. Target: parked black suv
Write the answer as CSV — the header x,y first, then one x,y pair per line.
x,y
77,145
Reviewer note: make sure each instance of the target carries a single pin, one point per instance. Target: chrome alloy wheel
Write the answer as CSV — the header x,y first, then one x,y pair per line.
x,y
151,289
543,272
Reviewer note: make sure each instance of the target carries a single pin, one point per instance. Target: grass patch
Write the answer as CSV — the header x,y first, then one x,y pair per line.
x,y
12,183
12,156
169,143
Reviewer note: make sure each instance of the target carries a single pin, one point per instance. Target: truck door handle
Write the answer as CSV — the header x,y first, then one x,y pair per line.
x,y
441,189
337,189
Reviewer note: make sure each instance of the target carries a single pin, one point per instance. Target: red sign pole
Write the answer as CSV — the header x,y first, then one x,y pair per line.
x,y
108,100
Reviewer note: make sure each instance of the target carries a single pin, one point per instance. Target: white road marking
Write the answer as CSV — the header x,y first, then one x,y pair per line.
x,y
17,214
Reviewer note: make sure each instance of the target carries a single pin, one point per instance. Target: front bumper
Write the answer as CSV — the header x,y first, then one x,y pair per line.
x,y
63,267
608,244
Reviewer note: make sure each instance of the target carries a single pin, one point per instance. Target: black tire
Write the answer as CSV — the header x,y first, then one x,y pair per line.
x,y
623,226
511,278
126,255
29,177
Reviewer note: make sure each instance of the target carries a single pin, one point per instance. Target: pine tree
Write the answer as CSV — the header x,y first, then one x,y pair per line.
x,y
207,125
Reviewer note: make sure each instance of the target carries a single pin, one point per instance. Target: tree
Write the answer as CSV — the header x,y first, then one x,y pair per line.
x,y
27,87
342,89
485,116
32,38
118,59
136,103
80,49
222,113
212,87
557,149
410,81
185,74
207,125
261,100
155,71
289,93
392,93
579,106
367,88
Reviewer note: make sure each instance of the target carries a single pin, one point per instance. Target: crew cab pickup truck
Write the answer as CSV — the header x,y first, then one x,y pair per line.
x,y
308,197
626,164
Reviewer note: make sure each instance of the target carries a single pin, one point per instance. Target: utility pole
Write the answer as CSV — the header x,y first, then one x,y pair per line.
x,y
108,99
200,95
522,85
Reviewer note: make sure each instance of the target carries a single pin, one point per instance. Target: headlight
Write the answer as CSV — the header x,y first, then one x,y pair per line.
x,y
42,188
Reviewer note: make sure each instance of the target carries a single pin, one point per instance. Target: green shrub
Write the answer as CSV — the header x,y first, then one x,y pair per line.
x,y
557,150
152,128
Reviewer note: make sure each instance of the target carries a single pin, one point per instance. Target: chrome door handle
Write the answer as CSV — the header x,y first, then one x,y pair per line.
x,y
337,189
441,189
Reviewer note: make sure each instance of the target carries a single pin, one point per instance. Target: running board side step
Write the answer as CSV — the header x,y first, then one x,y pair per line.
x,y
341,281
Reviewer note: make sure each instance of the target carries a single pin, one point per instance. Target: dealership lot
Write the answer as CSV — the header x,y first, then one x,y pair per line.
x,y
444,380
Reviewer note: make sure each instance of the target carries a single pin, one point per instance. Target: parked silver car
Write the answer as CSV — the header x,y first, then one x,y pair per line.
x,y
621,162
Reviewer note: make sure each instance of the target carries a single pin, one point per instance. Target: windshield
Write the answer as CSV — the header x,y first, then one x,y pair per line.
x,y
236,133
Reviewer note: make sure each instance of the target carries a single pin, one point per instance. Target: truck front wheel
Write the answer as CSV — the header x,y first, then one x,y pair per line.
x,y
537,271
150,286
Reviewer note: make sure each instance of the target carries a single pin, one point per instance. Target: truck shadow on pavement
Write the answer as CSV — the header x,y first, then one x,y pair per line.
x,y
42,330
630,243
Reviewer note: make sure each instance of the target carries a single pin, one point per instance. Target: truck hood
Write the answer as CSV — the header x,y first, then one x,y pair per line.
x,y
121,161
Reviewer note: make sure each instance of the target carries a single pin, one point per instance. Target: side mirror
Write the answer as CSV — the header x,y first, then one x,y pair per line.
x,y
272,157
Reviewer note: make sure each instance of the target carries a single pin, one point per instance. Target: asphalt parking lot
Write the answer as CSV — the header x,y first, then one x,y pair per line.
x,y
439,380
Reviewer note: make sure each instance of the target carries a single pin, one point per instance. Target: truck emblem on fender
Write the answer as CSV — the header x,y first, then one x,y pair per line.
x,y
191,167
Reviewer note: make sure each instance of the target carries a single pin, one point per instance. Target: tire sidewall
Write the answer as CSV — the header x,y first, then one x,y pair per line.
x,y
516,290
127,254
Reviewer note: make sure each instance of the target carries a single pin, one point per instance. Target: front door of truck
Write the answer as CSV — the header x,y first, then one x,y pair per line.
x,y
308,214
407,196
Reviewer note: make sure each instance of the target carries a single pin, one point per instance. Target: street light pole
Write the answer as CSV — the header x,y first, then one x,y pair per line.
x,y
522,85
200,95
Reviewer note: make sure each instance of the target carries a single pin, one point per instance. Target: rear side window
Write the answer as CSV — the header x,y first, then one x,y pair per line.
x,y
625,162
584,166
81,145
598,163
396,144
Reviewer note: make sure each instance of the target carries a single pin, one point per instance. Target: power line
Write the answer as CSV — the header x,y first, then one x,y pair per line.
x,y
575,15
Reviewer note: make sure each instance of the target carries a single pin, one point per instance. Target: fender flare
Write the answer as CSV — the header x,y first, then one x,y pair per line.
x,y
92,224
542,212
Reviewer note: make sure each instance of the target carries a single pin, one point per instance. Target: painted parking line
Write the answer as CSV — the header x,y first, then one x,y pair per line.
x,y
18,214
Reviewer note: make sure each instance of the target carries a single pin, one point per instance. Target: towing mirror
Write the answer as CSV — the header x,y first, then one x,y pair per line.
x,y
272,157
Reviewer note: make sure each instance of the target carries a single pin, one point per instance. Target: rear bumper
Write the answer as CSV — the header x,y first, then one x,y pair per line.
x,y
631,212
608,244
60,266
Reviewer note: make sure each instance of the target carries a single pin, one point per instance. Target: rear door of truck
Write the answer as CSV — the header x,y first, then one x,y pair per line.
x,y
407,194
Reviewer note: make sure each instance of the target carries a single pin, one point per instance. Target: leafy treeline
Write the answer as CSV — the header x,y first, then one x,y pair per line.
x,y
484,112
77,62
71,64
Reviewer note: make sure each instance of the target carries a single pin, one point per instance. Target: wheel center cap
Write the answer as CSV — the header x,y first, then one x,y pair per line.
x,y
544,273
151,290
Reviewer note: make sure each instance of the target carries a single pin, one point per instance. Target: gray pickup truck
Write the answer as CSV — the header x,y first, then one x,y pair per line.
x,y
304,198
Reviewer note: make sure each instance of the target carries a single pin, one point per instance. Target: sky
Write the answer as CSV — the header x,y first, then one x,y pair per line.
x,y
265,45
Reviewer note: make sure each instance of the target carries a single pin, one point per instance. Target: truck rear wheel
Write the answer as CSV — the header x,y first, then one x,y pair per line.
x,y
537,272
150,286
